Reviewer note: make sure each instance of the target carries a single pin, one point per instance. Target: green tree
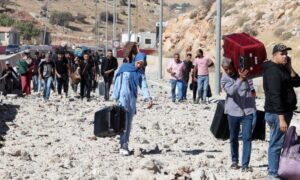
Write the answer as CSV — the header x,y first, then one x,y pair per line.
x,y
6,20
27,30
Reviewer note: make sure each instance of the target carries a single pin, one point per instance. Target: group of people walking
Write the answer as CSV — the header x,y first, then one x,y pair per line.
x,y
180,75
59,70
279,80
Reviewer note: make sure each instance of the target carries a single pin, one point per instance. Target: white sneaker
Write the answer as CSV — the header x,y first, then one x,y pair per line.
x,y
124,152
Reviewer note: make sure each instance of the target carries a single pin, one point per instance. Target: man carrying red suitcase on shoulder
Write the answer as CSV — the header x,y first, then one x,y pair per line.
x,y
279,80
239,107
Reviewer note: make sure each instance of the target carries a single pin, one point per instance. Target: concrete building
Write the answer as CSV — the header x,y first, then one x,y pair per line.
x,y
9,35
146,40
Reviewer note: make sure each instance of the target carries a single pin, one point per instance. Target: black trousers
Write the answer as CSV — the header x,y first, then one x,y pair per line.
x,y
195,87
85,87
63,83
108,82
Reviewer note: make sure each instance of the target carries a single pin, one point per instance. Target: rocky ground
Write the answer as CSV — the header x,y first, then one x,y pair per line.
x,y
55,140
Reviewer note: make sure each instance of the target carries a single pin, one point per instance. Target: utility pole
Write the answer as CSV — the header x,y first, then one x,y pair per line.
x,y
218,48
114,27
97,23
160,38
129,19
106,26
45,26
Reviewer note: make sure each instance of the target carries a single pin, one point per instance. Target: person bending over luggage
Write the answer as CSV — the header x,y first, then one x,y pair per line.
x,y
11,78
108,67
279,80
239,107
128,78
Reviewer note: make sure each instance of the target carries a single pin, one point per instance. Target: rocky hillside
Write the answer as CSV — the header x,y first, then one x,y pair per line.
x,y
270,21
145,13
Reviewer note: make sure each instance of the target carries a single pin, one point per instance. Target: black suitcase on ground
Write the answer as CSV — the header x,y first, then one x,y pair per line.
x,y
109,121
219,126
259,131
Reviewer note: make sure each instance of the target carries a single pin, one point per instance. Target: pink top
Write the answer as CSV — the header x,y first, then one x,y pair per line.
x,y
178,68
202,65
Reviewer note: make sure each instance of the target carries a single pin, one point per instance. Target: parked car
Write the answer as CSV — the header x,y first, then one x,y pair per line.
x,y
12,49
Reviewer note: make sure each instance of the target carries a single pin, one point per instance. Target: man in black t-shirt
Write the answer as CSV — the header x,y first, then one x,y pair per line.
x,y
108,67
62,74
86,73
186,74
46,73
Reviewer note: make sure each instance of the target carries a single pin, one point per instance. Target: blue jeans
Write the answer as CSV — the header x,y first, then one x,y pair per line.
x,y
124,137
179,84
276,140
202,83
35,83
41,85
253,125
234,128
47,88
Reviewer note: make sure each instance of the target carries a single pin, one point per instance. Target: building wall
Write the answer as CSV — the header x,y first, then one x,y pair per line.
x,y
9,38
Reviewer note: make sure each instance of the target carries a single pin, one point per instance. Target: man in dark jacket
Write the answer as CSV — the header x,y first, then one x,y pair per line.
x,y
279,80
108,67
86,73
188,67
62,74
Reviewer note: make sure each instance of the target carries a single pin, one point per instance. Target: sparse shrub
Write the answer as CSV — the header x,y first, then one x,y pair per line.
x,y
103,17
173,6
286,36
193,15
61,18
81,18
207,3
278,32
6,20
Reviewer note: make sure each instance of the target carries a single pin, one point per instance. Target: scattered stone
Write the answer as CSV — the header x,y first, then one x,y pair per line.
x,y
142,174
210,156
198,174
17,153
138,152
155,126
152,165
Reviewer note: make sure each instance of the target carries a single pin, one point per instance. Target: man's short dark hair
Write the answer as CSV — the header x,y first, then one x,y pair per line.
x,y
176,54
189,54
200,51
109,50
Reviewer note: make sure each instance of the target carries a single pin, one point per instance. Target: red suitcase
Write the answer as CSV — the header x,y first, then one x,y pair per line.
x,y
245,52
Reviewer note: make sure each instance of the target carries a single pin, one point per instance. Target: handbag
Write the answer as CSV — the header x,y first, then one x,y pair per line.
x,y
75,77
289,164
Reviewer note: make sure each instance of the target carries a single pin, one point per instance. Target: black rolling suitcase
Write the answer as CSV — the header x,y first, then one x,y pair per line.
x,y
219,126
109,121
259,131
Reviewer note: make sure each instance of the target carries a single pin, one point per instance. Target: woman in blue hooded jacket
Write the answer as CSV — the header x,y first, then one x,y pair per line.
x,y
129,77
